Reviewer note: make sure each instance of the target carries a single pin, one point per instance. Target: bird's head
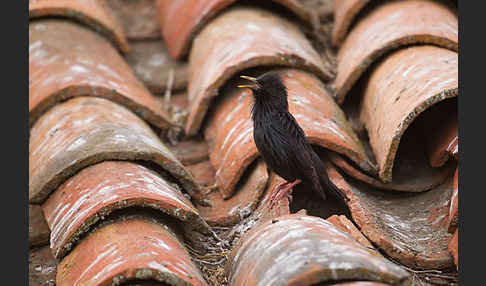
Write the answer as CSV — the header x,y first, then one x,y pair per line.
x,y
268,87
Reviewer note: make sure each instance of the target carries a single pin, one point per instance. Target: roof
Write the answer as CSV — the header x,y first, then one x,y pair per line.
x,y
142,164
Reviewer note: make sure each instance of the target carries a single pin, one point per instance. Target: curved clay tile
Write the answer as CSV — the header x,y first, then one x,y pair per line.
x,y
410,228
453,219
191,151
229,130
411,173
241,204
344,13
87,130
138,18
39,231
98,190
241,38
388,26
454,247
68,60
401,87
182,20
344,224
304,250
153,65
134,248
442,125
93,13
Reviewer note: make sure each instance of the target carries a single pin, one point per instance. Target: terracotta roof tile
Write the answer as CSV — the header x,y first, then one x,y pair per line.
x,y
345,225
442,134
302,250
410,228
344,13
94,13
128,249
454,247
191,151
68,60
39,231
453,219
230,137
138,18
242,203
115,181
389,26
238,39
153,65
181,21
400,88
98,190
86,130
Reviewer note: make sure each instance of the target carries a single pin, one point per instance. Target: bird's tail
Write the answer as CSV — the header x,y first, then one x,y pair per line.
x,y
325,181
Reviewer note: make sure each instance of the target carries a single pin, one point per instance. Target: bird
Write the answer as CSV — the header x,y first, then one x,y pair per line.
x,y
282,142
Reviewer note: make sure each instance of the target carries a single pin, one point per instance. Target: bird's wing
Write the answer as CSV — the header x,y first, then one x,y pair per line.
x,y
307,162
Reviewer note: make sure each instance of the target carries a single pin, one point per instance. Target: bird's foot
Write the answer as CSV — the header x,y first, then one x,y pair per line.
x,y
282,190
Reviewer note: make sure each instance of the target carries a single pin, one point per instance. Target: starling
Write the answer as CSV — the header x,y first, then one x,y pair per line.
x,y
281,141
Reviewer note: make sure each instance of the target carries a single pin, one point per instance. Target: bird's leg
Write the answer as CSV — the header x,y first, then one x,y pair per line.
x,y
283,190
277,189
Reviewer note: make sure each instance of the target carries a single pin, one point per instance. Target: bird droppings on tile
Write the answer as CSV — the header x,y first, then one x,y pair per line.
x,y
420,198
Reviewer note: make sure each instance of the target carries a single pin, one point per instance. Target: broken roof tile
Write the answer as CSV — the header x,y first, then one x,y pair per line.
x,y
39,231
68,60
134,248
410,228
400,88
153,65
182,20
138,18
388,26
454,247
87,130
238,39
100,189
229,131
302,250
344,13
93,13
242,203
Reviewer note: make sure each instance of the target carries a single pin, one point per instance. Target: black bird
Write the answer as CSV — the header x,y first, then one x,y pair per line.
x,y
281,141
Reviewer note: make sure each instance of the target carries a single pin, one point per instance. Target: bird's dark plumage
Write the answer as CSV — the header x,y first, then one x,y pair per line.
x,y
279,138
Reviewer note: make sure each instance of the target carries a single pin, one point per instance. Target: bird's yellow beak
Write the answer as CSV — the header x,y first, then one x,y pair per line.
x,y
254,84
